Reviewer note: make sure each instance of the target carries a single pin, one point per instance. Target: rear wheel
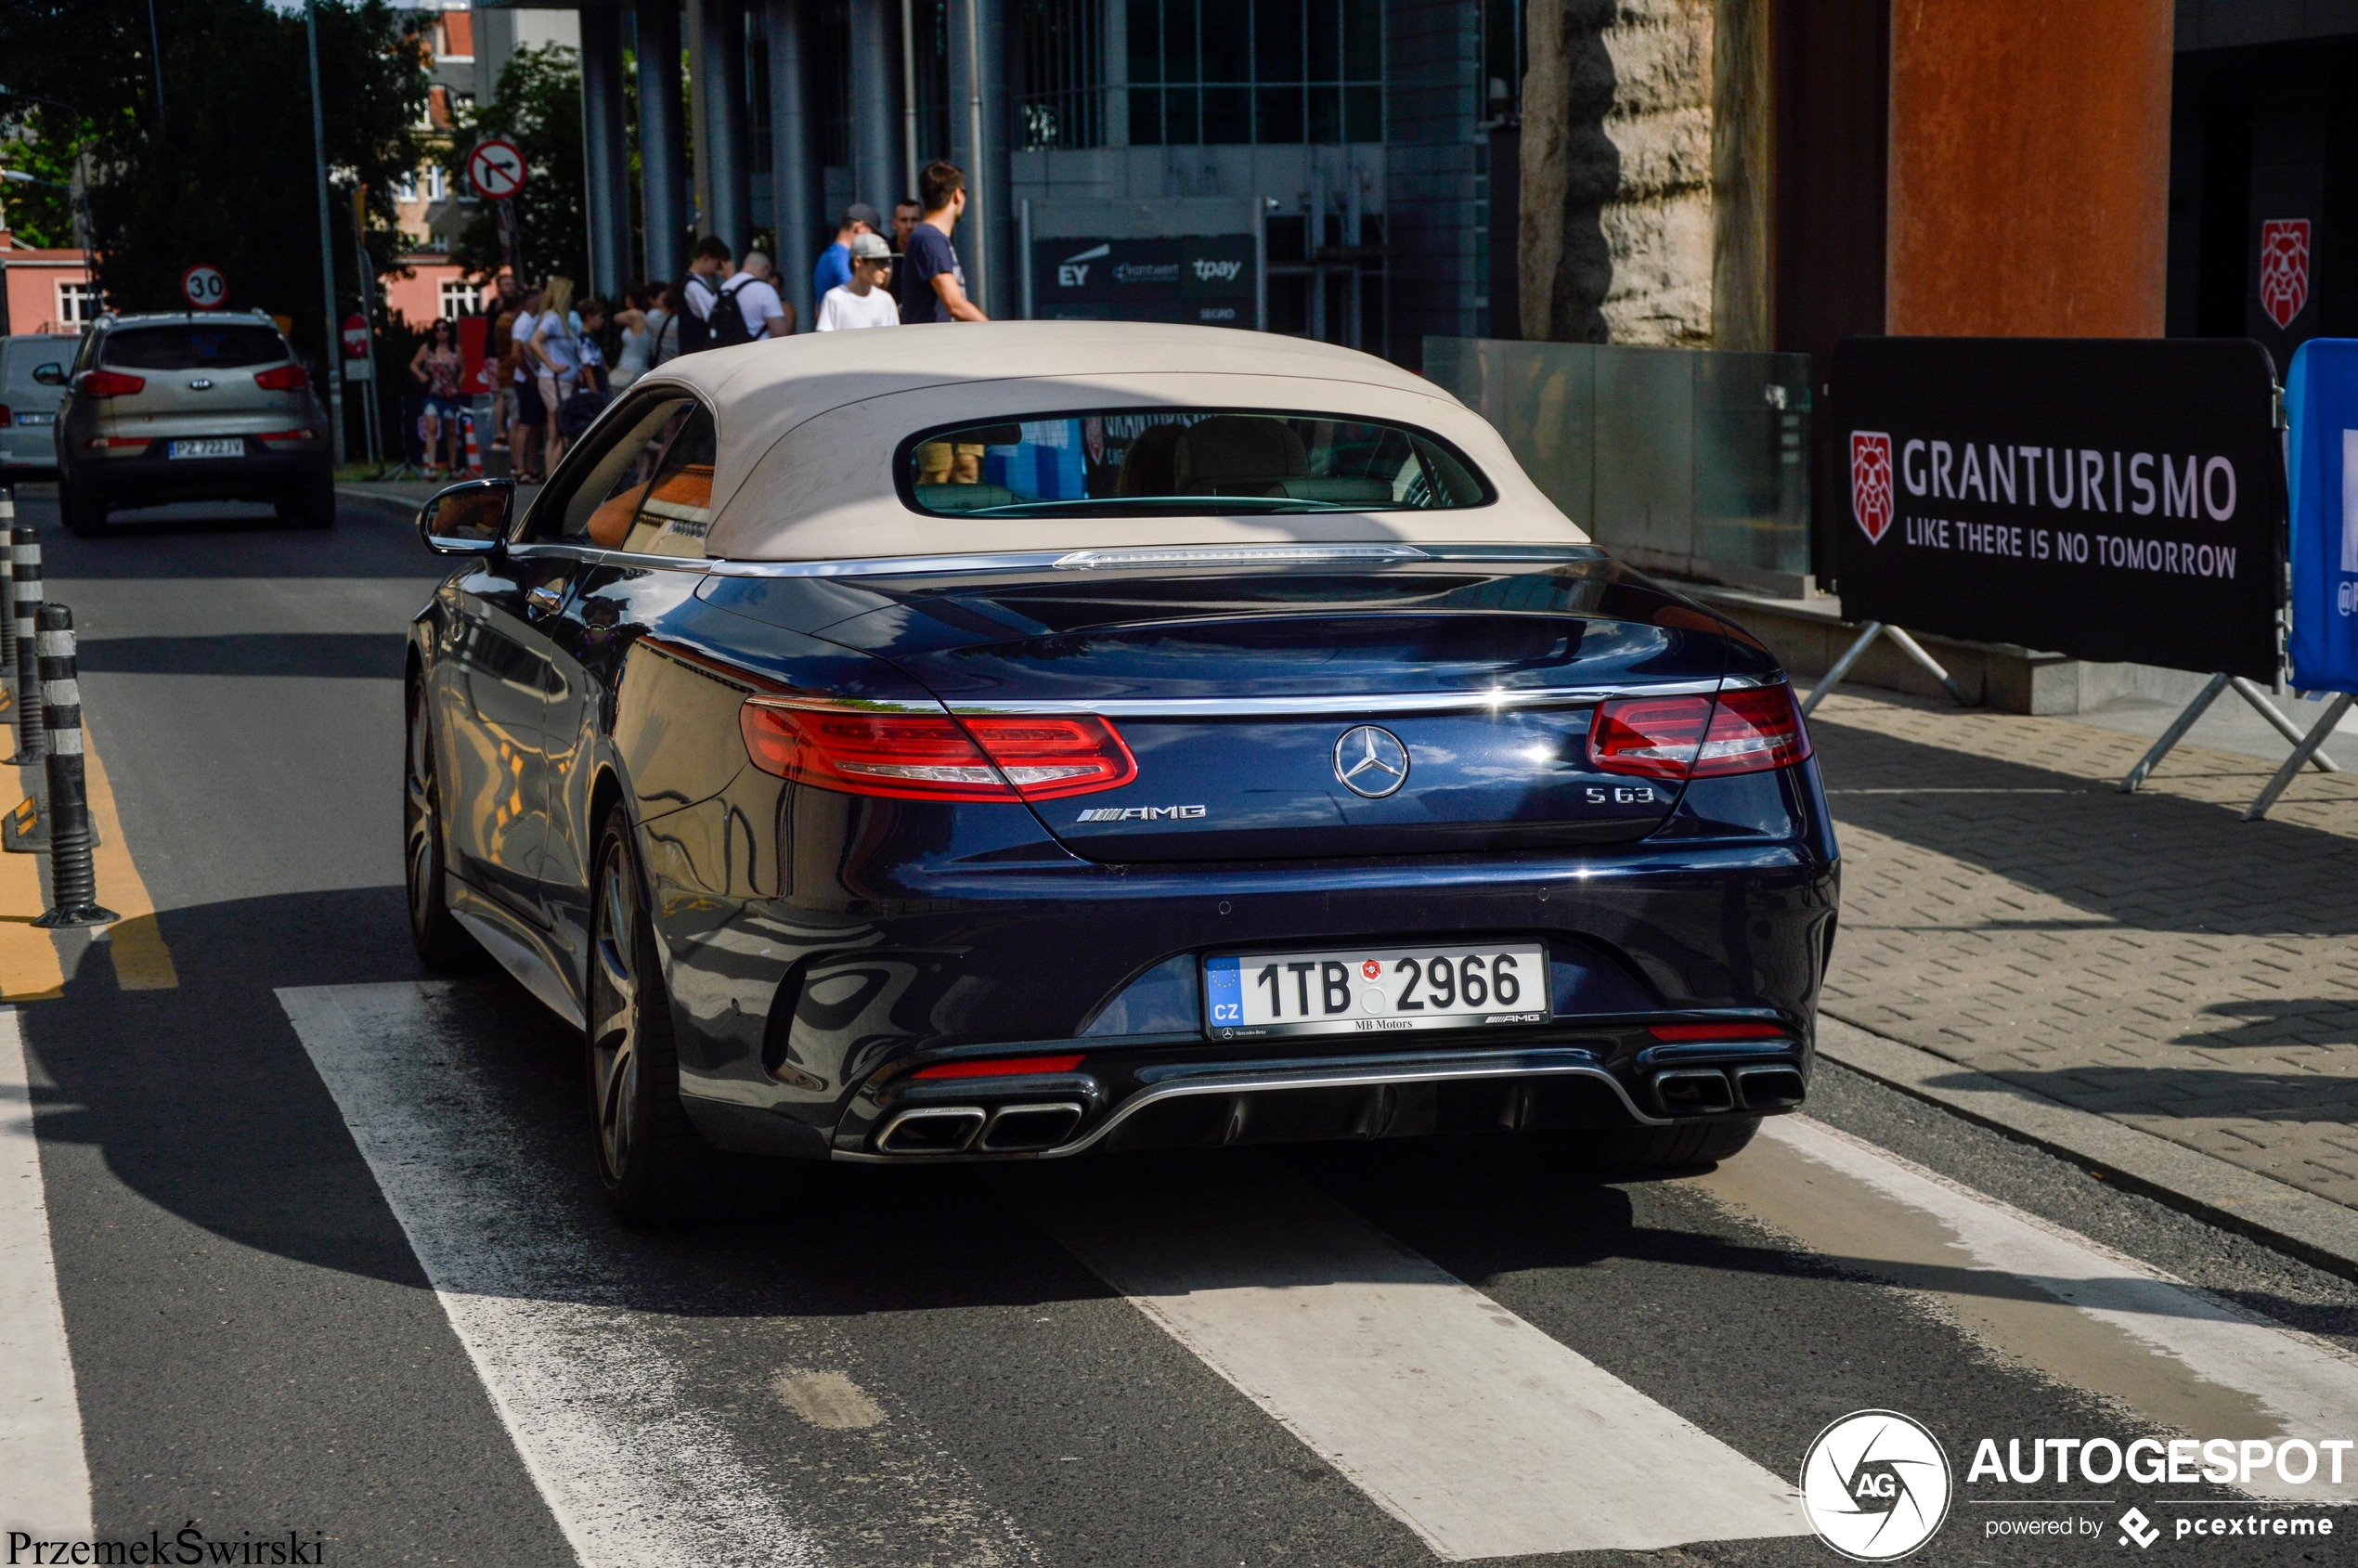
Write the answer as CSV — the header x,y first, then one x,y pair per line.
x,y
442,943
656,1166
83,513
1643,1151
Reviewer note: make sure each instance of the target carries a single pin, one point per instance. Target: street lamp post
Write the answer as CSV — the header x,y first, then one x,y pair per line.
x,y
331,364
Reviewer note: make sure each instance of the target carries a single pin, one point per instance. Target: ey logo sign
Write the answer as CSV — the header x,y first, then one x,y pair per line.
x,y
1073,271
1875,1485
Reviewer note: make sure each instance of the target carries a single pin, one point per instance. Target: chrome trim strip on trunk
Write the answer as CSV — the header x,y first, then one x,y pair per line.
x,y
1313,705
1202,556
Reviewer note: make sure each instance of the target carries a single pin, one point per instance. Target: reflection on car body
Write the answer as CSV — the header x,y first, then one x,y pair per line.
x,y
901,751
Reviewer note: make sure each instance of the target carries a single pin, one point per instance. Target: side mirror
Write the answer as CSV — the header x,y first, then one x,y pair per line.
x,y
469,519
50,374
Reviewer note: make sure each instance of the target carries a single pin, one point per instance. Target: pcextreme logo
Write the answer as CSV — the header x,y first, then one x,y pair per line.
x,y
1875,1485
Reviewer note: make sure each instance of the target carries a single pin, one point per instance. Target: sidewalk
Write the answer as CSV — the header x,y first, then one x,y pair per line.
x,y
2152,958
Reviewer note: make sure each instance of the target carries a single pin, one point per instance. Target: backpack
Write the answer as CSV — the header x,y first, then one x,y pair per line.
x,y
693,335
727,328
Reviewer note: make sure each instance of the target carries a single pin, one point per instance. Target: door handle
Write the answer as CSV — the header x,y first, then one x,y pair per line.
x,y
546,597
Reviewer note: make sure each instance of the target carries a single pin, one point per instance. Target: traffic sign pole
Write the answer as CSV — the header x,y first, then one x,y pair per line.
x,y
326,245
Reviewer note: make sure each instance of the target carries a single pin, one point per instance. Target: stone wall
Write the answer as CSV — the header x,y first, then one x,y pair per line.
x,y
1645,188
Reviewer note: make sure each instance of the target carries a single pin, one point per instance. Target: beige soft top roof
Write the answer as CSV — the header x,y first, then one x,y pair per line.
x,y
809,425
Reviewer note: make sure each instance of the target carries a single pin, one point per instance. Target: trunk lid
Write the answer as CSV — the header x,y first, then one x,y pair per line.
x,y
1431,708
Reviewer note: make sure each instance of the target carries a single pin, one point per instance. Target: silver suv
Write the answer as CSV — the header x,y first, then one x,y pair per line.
x,y
192,405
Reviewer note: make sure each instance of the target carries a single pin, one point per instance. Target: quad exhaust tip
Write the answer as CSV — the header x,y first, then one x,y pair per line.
x,y
1708,1090
1008,1129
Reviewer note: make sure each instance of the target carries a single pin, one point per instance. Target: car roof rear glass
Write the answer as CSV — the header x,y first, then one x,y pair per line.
x,y
194,346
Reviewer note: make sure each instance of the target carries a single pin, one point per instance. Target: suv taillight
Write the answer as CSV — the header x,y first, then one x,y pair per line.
x,y
1750,730
283,378
110,383
932,756
7,419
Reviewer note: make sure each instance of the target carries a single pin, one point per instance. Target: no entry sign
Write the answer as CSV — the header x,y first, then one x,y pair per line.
x,y
355,337
203,287
2110,500
495,168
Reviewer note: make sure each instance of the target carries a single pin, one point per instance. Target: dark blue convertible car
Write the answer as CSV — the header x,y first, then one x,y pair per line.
x,y
1021,741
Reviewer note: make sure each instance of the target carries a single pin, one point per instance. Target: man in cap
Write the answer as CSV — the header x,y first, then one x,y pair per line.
x,y
863,301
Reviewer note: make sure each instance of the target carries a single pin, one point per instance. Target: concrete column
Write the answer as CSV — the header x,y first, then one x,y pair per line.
x,y
721,162
606,160
2030,168
663,171
794,155
875,130
983,239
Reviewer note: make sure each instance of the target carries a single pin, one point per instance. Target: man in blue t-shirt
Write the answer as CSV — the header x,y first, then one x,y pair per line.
x,y
835,263
936,287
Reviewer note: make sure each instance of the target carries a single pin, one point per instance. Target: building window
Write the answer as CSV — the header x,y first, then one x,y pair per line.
x,y
438,183
77,304
458,298
405,187
1297,71
1064,74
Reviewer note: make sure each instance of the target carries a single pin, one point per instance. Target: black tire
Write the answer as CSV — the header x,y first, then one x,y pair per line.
x,y
83,513
1645,1150
443,944
656,1168
311,507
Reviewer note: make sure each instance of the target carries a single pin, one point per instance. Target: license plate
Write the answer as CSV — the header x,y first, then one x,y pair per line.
x,y
1376,991
37,419
230,449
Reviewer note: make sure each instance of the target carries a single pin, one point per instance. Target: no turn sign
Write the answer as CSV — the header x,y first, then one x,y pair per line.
x,y
495,168
203,287
355,337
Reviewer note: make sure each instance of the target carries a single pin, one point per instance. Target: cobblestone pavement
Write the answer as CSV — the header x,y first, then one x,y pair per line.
x,y
2150,957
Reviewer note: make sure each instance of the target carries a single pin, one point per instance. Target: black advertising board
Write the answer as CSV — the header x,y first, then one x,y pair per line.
x,y
2111,499
1207,279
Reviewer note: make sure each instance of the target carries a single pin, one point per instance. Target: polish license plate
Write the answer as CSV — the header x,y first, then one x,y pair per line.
x,y
37,419
1375,990
229,448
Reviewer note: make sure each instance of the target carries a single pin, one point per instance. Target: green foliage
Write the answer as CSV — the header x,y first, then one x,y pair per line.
x,y
224,174
536,105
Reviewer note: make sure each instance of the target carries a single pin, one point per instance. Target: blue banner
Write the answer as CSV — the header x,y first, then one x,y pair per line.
x,y
2321,462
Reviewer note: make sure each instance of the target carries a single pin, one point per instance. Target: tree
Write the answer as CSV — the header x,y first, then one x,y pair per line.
x,y
224,174
537,104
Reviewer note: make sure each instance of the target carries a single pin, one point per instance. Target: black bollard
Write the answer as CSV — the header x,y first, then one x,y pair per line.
x,y
25,553
73,880
9,622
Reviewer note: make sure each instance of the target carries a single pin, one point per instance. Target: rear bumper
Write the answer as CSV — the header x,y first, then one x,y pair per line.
x,y
24,447
152,478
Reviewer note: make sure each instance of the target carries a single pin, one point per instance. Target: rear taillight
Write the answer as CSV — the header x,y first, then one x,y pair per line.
x,y
283,378
1744,731
1730,1030
934,756
110,383
275,435
7,419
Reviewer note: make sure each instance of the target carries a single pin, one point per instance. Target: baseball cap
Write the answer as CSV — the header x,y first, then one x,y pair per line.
x,y
870,247
860,211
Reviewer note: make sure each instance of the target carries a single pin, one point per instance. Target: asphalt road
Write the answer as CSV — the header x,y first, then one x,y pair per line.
x,y
327,1249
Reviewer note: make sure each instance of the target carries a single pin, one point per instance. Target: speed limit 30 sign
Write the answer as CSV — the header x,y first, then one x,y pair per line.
x,y
495,168
203,287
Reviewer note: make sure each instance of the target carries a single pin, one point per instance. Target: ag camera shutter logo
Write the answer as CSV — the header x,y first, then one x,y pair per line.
x,y
1875,1485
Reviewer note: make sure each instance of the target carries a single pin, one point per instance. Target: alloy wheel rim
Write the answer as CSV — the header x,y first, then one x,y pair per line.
x,y
614,1028
419,808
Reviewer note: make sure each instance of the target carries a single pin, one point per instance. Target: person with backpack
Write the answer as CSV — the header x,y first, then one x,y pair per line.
x,y
762,313
689,329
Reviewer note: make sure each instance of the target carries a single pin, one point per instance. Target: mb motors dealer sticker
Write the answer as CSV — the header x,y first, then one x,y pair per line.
x,y
1876,1485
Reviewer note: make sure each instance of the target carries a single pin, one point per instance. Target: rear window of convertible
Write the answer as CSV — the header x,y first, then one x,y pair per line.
x,y
1185,461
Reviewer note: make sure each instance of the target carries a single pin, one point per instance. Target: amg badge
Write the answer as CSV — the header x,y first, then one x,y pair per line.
x,y
1139,813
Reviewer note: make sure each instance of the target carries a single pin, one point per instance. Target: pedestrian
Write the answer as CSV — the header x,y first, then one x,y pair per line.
x,y
766,316
865,301
638,336
663,327
556,350
591,390
834,268
907,214
436,368
936,287
501,371
712,263
527,437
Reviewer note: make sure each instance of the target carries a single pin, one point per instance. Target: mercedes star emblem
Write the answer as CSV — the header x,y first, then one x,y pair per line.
x,y
1371,761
